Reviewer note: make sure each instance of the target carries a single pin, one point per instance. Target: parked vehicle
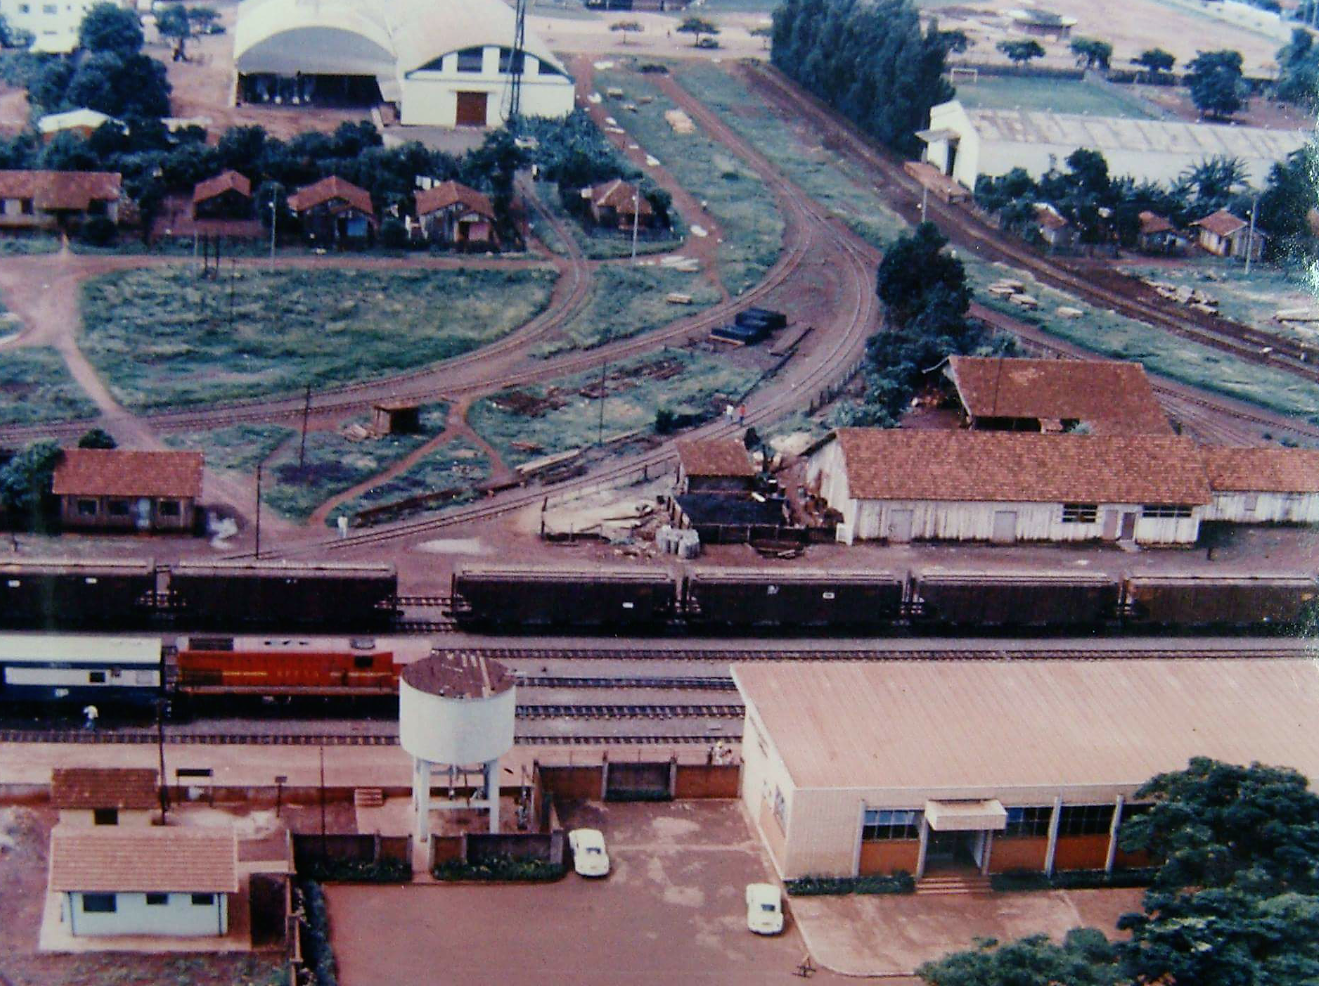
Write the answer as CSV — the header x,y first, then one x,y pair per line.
x,y
764,908
588,852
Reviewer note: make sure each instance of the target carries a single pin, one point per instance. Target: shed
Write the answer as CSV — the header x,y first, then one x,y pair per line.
x,y
88,796
1157,234
1042,23
121,490
713,465
454,214
1256,485
1226,235
226,196
1006,487
1054,228
395,418
335,212
618,204
144,881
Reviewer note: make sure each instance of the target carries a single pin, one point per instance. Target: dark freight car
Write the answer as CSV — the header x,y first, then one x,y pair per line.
x,y
67,592
751,597
1220,600
278,595
509,595
1037,600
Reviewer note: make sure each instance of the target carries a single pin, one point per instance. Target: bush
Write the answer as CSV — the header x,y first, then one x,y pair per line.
x,y
393,234
665,421
97,438
317,952
898,882
502,867
1071,879
99,231
358,871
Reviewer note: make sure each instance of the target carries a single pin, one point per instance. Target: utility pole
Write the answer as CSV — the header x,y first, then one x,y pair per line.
x,y
306,413
925,199
274,223
636,216
233,281
160,748
1250,242
600,436
258,510
322,802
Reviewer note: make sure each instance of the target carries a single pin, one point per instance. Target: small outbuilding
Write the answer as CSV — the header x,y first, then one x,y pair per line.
x,y
395,418
1042,23
1157,234
714,465
453,214
91,796
1263,485
121,490
619,204
1053,227
1226,235
335,212
144,881
226,196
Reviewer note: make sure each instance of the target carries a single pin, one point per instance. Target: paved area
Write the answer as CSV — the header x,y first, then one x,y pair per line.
x,y
891,935
672,911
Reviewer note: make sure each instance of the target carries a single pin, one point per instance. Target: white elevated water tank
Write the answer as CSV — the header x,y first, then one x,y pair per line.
x,y
456,707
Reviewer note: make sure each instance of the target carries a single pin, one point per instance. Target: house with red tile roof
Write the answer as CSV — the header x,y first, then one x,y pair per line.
x,y
121,490
226,196
618,204
52,199
714,465
455,215
90,796
1260,485
334,212
1226,235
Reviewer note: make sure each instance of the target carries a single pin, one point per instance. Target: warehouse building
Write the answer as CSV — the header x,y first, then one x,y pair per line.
x,y
1263,485
445,64
1008,487
972,766
1106,397
119,490
969,143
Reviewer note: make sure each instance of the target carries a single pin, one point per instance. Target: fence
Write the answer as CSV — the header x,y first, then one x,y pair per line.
x,y
833,390
643,780
713,533
340,848
474,848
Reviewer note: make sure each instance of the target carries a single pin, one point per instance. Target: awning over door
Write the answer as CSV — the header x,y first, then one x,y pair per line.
x,y
966,816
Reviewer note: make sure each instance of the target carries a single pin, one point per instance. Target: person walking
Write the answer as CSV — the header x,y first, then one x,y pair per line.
x,y
91,714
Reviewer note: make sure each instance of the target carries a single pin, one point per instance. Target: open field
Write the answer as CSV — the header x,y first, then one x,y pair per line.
x,y
602,244
565,415
627,300
733,193
164,338
458,466
18,246
241,447
1053,95
36,386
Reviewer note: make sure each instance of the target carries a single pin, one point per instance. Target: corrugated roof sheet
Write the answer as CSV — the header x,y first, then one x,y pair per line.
x,y
1113,396
118,472
989,466
329,189
448,193
225,181
986,724
54,190
1262,470
715,457
104,787
170,860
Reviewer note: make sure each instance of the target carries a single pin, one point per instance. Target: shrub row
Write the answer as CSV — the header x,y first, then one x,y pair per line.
x,y
358,871
317,954
500,867
1071,879
899,882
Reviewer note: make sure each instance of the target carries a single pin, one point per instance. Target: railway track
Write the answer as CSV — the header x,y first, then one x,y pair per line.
x,y
147,736
877,653
702,683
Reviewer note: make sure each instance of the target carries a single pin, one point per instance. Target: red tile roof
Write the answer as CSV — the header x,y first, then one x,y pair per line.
x,y
225,181
1000,466
104,787
1049,217
622,196
329,189
715,457
1221,223
56,190
1262,470
116,472
448,193
169,860
1113,396
1151,223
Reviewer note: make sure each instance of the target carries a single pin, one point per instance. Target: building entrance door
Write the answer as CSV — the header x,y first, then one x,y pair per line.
x,y
1005,526
471,109
1128,527
952,850
899,526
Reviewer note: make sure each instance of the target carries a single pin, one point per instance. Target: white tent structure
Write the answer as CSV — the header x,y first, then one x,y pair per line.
x,y
444,63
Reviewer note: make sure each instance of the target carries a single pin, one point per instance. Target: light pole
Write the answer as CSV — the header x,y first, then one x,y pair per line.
x,y
1250,241
636,215
258,510
274,224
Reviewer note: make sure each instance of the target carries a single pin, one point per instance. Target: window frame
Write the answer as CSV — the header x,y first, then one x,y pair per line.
x,y
157,899
466,57
1080,513
1028,822
1167,511
891,824
105,816
87,506
169,508
100,903
1087,819
203,900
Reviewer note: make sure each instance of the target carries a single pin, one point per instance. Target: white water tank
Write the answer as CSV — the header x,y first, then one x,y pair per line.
x,y
456,707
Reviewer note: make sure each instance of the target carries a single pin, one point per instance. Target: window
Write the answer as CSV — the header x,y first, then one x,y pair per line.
x,y
1166,510
362,662
25,8
507,63
117,508
26,205
1028,821
96,677
471,59
883,825
105,816
157,900
1080,513
545,68
203,900
98,903
1085,820
50,8
169,508
86,508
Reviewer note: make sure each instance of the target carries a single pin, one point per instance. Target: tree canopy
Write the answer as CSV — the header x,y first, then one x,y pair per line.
x,y
698,27
1216,84
1091,52
110,28
1155,60
25,482
1298,70
1021,52
626,27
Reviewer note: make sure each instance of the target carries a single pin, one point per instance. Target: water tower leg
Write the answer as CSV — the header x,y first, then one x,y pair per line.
x,y
492,792
421,798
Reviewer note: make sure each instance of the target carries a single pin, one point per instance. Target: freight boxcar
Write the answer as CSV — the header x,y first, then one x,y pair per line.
x,y
66,592
284,666
755,597
287,595
508,595
1220,600
75,669
1003,599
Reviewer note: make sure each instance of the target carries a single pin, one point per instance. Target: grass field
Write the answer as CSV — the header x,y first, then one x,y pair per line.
x,y
458,466
1005,92
36,386
240,447
733,193
18,246
599,245
560,417
163,337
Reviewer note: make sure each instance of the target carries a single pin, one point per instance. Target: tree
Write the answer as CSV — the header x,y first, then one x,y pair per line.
x,y
913,266
1213,184
107,27
1092,53
6,33
1287,200
1298,69
173,22
97,438
1155,60
25,482
626,27
1020,52
1085,958
1214,78
698,27
128,87
203,18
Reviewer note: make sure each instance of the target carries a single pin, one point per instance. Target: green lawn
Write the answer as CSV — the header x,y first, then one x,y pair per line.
x,y
458,467
1005,92
240,447
163,337
733,193
18,246
681,380
36,386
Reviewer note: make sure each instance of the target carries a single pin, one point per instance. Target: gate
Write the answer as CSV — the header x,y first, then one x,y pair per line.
x,y
639,781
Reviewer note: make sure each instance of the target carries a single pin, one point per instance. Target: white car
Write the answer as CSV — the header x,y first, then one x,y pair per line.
x,y
588,852
764,909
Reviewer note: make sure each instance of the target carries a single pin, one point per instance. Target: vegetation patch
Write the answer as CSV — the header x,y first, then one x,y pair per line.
x,y
1071,879
1023,92
627,300
240,447
899,882
358,871
317,951
36,386
164,338
447,477
502,867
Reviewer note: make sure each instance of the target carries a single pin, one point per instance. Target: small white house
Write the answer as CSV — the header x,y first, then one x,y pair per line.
x,y
144,881
1263,485
1005,487
87,796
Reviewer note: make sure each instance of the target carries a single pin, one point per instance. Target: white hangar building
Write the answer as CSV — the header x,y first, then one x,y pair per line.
x,y
443,64
966,144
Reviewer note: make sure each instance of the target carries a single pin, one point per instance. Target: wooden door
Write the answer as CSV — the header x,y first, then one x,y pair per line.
x,y
472,109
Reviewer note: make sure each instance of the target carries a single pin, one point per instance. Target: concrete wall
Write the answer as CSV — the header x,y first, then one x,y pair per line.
x,y
429,95
1263,508
133,916
1018,853
1081,852
885,857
